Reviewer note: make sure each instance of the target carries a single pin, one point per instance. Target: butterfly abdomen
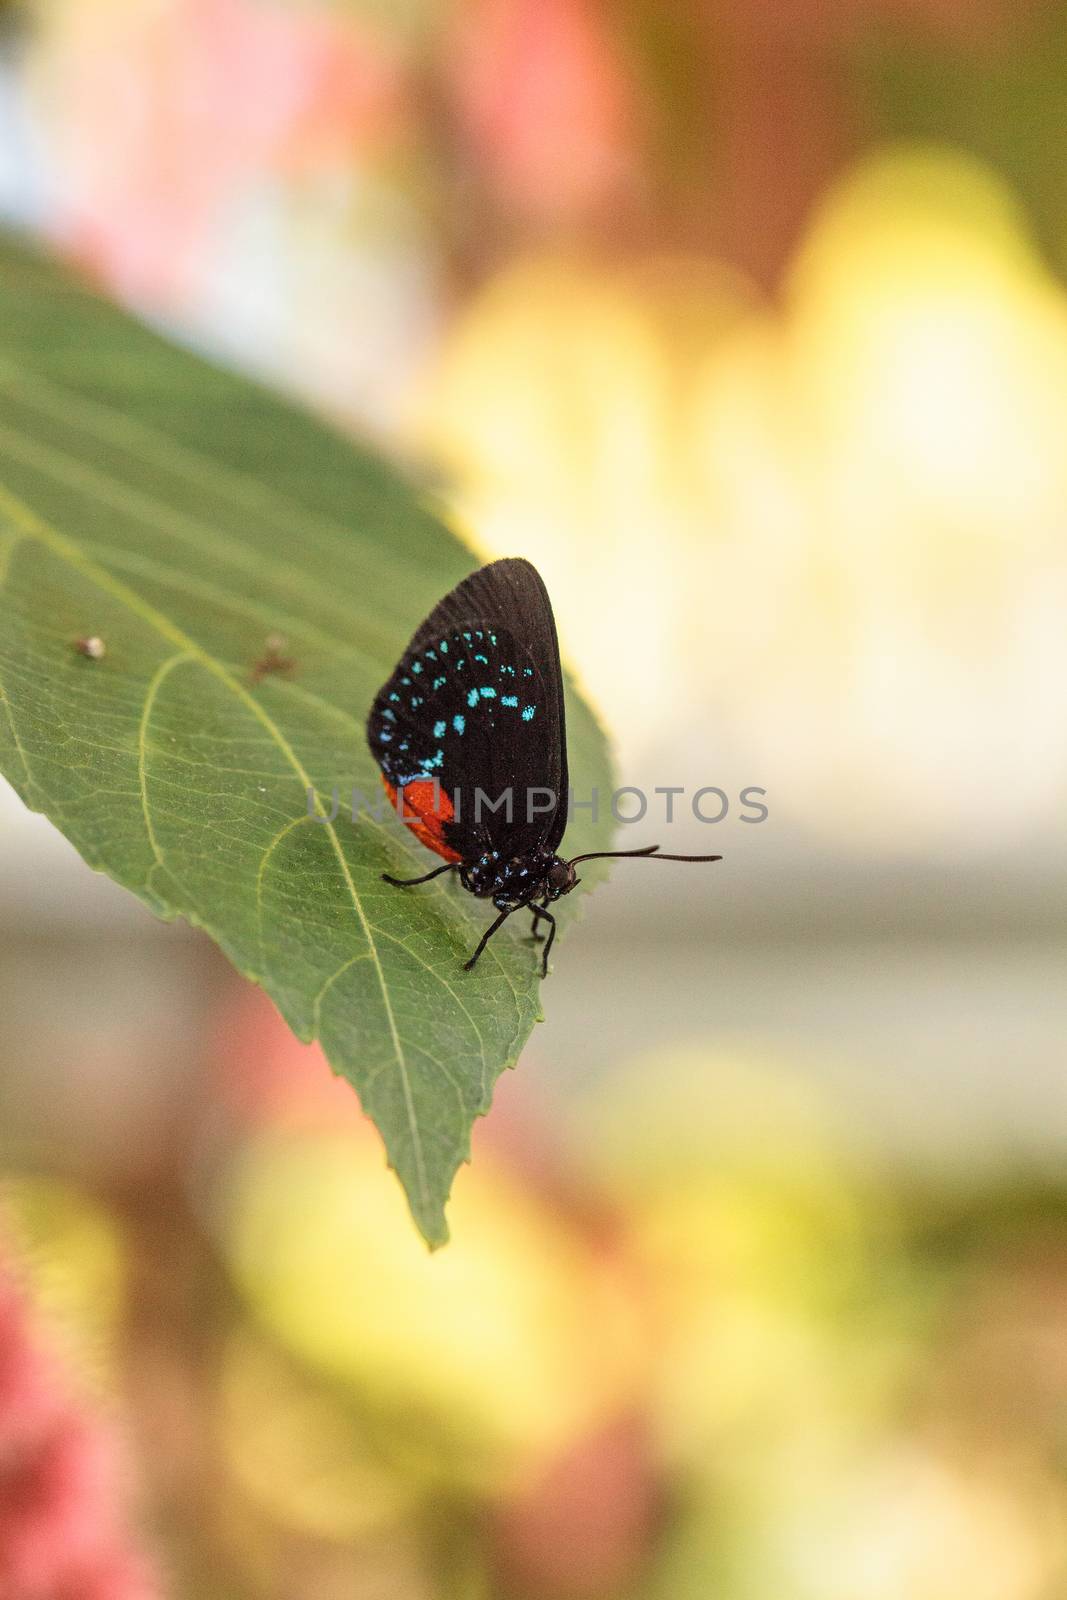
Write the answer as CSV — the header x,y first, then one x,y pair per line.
x,y
427,812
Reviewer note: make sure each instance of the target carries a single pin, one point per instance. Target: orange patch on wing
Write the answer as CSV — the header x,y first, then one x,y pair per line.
x,y
426,810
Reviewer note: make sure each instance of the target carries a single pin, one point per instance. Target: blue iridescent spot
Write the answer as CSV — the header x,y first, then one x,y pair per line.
x,y
459,723
437,682
385,738
509,699
483,659
439,729
416,666
431,655
389,716
488,693
416,700
403,744
528,713
472,697
443,647
466,635
492,638
406,681
527,672
395,697
437,761
507,672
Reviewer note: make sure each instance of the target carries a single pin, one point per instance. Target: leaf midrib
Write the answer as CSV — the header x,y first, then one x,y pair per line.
x,y
437,976
33,527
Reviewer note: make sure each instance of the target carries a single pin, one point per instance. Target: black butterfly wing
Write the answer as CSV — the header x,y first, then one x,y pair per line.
x,y
476,701
508,598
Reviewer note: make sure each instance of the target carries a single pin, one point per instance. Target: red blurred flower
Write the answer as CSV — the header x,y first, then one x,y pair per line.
x,y
546,101
61,1537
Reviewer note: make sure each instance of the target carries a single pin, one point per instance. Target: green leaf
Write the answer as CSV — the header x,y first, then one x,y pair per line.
x,y
183,515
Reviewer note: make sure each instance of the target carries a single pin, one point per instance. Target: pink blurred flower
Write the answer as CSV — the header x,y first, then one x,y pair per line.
x,y
546,101
61,1536
160,116
584,1528
268,1078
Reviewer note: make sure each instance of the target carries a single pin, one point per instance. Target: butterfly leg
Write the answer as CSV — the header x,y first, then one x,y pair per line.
x,y
487,935
409,883
537,914
548,942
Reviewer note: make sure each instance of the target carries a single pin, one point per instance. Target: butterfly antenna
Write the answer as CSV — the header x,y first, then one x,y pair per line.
x,y
649,850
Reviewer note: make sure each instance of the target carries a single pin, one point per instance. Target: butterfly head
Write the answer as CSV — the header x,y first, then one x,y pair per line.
x,y
560,877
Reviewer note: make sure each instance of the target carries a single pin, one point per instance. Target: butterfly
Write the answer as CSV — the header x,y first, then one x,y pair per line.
x,y
470,733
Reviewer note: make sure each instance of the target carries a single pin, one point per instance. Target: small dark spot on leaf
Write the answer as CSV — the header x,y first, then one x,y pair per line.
x,y
273,659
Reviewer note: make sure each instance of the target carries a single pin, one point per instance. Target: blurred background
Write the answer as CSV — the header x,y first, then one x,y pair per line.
x,y
747,322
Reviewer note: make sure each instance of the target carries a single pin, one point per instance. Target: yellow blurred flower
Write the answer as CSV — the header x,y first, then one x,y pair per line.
x,y
890,475
767,1259
297,1452
822,544
488,1356
559,404
904,1522
71,1255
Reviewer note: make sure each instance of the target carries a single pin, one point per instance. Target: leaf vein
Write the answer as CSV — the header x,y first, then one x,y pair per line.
x,y
142,508
35,527
184,462
156,682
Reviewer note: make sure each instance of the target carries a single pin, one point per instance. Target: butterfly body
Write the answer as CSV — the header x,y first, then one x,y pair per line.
x,y
470,735
540,874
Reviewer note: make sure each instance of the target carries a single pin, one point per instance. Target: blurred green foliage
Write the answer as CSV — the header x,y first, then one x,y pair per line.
x,y
1003,100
